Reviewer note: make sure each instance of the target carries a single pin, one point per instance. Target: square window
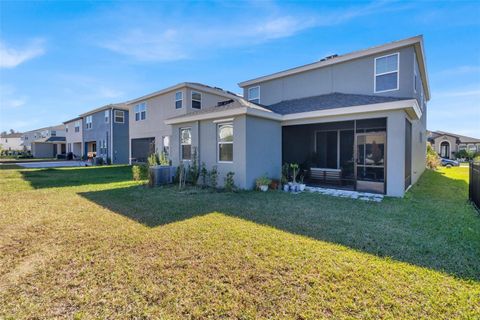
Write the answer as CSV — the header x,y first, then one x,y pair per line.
x,y
119,116
254,94
387,73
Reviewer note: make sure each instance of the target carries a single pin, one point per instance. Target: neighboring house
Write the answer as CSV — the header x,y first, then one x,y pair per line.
x,y
356,121
45,142
446,144
74,136
11,141
105,133
148,131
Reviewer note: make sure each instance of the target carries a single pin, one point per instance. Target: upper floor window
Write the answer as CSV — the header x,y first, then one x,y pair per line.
x,y
386,73
141,111
107,116
88,122
77,126
66,127
196,100
119,116
254,94
225,142
53,133
186,143
178,100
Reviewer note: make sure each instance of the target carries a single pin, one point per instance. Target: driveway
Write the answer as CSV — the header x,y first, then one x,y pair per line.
x,y
51,164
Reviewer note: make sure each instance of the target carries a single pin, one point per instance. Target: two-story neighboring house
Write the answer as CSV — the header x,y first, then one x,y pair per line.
x,y
45,142
148,131
74,136
354,121
11,141
105,133
447,144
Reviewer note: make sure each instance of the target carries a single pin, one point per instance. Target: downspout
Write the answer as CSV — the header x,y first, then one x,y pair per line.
x,y
111,135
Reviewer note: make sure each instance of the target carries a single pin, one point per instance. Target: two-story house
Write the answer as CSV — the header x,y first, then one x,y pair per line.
x,y
11,141
45,142
105,133
74,137
148,131
356,121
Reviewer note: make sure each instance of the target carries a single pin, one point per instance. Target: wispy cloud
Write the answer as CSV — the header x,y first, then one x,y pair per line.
x,y
11,57
458,93
460,70
10,99
161,38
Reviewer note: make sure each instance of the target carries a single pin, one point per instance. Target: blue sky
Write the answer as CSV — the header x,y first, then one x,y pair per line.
x,y
59,59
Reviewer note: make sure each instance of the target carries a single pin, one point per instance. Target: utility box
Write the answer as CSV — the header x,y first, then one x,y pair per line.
x,y
162,175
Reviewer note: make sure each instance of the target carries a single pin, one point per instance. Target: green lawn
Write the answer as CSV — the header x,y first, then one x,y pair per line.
x,y
90,243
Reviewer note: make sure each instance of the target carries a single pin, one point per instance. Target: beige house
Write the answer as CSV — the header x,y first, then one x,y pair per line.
x,y
73,136
11,142
45,142
147,128
446,144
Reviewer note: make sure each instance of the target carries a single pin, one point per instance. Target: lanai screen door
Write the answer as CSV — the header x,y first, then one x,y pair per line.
x,y
370,161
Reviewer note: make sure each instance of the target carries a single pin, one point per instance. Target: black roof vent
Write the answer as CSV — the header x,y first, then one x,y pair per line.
x,y
222,103
329,57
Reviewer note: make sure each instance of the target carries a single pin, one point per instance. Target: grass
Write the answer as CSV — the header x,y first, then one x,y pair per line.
x,y
90,243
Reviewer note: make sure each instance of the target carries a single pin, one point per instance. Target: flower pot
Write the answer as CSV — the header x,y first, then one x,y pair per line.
x,y
301,186
286,187
264,188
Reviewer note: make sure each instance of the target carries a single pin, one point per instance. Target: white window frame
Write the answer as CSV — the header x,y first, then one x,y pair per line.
x,y
88,122
375,75
122,116
462,146
248,94
66,127
201,98
165,148
139,105
469,149
184,144
107,116
77,126
181,99
225,142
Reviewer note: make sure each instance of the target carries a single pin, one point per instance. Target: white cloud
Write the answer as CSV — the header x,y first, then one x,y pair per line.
x,y
458,93
9,99
11,57
148,36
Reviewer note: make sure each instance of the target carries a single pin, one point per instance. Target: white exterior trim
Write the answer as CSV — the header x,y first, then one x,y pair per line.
x,y
248,93
375,75
218,142
449,148
410,106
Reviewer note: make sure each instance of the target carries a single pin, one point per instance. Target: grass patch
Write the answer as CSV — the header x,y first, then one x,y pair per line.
x,y
88,242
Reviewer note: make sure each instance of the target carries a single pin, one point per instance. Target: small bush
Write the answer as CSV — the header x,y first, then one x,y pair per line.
x,y
194,170
263,181
163,159
213,177
433,160
203,174
140,172
153,160
229,182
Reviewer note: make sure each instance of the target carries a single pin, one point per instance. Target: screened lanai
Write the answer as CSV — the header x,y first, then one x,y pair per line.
x,y
346,155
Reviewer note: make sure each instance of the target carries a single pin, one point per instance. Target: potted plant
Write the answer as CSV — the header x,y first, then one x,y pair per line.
x,y
301,186
263,182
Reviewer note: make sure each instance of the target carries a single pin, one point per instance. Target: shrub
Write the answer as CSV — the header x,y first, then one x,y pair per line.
x,y
193,170
229,183
285,168
294,167
163,159
109,161
433,160
203,174
153,160
263,181
213,177
140,172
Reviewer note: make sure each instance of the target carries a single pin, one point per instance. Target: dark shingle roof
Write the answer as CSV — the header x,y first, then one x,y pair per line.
x,y
327,101
54,139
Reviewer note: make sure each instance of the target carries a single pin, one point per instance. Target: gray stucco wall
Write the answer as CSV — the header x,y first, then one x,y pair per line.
x,y
263,149
120,151
101,130
354,76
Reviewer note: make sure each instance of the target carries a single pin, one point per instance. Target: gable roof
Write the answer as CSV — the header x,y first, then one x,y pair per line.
x,y
121,106
236,106
416,41
327,101
72,120
193,85
11,135
460,138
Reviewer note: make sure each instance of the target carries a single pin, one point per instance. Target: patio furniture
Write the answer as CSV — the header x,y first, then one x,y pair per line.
x,y
326,175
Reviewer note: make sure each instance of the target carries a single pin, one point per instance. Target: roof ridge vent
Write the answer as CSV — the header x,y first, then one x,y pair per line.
x,y
329,57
